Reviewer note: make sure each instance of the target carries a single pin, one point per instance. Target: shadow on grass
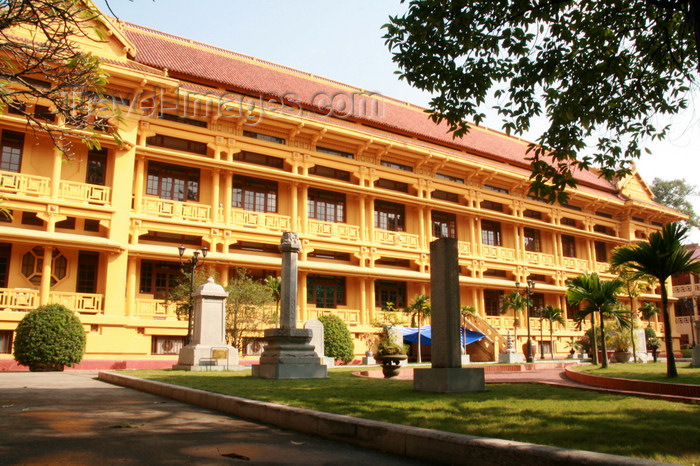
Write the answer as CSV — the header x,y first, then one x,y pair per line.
x,y
524,412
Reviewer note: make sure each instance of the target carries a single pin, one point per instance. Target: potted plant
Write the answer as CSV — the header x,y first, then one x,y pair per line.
x,y
390,355
621,340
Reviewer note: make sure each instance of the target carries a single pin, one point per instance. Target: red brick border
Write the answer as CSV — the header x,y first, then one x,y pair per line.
x,y
640,386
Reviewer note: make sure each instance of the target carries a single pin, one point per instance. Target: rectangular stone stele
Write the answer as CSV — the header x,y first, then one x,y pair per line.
x,y
444,300
449,380
290,371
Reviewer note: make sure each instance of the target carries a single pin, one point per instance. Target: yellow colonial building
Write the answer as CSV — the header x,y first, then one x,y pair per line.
x,y
227,151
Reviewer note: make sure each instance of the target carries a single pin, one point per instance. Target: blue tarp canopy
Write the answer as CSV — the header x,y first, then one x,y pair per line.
x,y
411,335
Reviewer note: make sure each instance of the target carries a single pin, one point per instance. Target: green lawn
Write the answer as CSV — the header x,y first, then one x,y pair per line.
x,y
653,371
558,416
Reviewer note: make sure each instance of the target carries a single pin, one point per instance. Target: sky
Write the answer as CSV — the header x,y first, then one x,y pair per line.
x,y
343,41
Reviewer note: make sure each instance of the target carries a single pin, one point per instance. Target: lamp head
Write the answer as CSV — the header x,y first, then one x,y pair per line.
x,y
517,285
181,250
205,250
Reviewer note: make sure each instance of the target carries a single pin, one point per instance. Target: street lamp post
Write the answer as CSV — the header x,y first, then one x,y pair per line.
x,y
192,264
529,291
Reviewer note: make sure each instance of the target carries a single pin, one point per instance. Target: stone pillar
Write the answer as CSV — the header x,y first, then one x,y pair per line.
x,y
288,352
446,374
208,350
289,247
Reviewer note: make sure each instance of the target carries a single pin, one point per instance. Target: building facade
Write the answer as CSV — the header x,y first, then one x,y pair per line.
x,y
226,151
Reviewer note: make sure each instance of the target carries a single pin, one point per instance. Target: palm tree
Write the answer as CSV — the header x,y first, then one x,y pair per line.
x,y
599,296
648,311
661,256
419,309
552,314
518,303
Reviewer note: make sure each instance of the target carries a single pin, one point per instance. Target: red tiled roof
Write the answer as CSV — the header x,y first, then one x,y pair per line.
x,y
258,77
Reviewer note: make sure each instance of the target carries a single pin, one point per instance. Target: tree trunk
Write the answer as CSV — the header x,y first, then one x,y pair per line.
x,y
671,370
551,339
419,355
595,340
632,313
602,341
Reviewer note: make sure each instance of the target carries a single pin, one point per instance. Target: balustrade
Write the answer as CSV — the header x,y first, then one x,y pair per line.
x,y
263,220
396,238
334,230
176,210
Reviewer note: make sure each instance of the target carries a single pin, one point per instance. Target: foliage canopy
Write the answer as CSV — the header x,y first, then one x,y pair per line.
x,y
49,335
44,65
337,341
676,194
597,70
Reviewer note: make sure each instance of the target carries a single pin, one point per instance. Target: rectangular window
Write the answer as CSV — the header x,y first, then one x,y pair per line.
x,y
324,254
492,302
338,153
391,184
532,240
96,167
181,119
445,196
91,225
184,145
490,233
569,222
88,265
159,277
388,291
6,341
12,146
536,214
172,182
166,344
5,254
389,216
263,137
259,159
568,244
67,224
327,172
326,206
638,219
454,179
254,195
496,189
497,206
325,291
603,214
31,218
601,253
397,166
444,225
571,311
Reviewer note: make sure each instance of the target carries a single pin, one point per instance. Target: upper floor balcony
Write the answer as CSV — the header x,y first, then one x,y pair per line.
x,y
399,239
341,231
40,186
190,211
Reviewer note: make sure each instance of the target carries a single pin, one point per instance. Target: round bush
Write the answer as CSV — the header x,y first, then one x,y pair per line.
x,y
337,342
49,335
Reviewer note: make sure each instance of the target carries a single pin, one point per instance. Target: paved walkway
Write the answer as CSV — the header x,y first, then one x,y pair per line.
x,y
70,418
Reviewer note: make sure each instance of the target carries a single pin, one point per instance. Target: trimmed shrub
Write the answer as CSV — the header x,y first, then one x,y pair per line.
x,y
337,342
49,335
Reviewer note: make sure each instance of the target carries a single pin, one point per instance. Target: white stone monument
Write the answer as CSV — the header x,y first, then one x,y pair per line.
x,y
511,356
317,329
208,350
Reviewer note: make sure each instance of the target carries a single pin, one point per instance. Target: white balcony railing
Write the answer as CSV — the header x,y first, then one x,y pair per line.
x,y
25,299
499,253
18,299
27,185
83,192
539,258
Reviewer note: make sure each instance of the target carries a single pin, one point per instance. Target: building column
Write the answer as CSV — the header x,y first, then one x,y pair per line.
x,y
45,287
364,311
130,304
228,197
138,183
294,200
371,300
370,218
56,163
215,199
363,218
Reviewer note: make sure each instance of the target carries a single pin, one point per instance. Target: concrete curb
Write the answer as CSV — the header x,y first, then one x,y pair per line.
x,y
414,442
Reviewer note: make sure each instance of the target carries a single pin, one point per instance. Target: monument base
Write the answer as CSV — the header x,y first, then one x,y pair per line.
x,y
696,357
289,355
449,380
510,358
208,358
